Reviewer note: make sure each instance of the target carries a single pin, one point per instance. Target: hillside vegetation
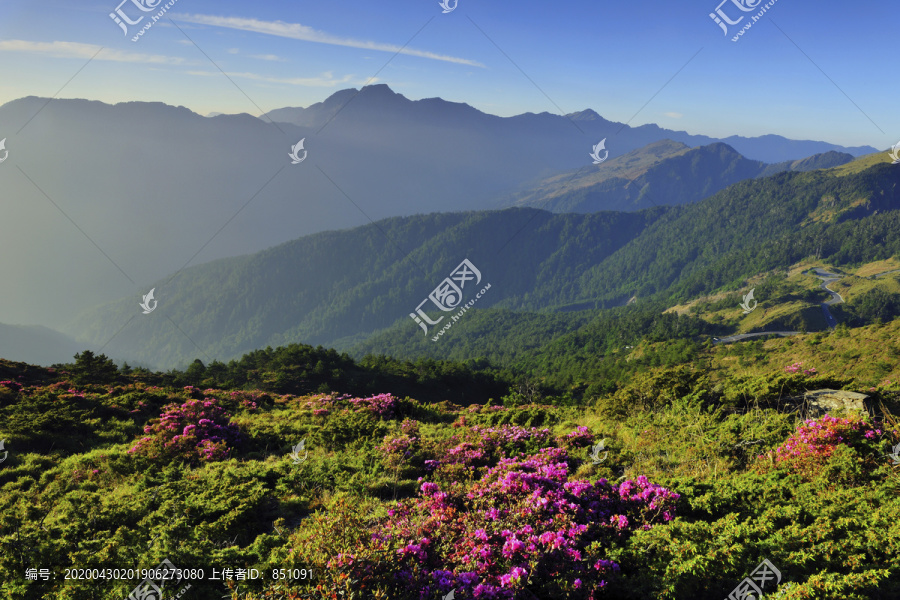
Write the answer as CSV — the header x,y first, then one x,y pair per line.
x,y
312,469
349,287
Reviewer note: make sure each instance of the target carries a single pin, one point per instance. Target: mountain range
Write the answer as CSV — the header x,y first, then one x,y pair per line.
x,y
105,199
357,288
663,173
110,201
377,108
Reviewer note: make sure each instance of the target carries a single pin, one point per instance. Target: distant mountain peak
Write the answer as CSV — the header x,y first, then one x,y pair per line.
x,y
667,169
586,115
379,88
720,148
339,97
379,94
665,144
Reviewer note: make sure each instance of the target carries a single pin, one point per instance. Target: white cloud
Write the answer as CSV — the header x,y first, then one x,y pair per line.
x,y
324,80
674,115
233,51
297,31
267,57
78,50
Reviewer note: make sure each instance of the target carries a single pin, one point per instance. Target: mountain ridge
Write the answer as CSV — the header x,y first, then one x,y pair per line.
x,y
666,172
336,285
317,114
147,171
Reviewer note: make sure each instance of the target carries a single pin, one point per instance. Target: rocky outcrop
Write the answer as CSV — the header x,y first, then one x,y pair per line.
x,y
820,402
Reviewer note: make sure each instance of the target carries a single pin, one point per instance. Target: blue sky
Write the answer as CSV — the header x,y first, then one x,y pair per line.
x,y
805,70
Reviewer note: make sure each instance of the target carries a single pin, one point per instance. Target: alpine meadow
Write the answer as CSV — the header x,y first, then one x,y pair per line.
x,y
449,300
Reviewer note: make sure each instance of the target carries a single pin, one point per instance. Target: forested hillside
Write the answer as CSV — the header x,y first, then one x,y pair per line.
x,y
753,227
337,284
342,287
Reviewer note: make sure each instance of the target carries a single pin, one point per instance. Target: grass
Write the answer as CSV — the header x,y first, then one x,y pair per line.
x,y
778,313
880,266
862,163
869,354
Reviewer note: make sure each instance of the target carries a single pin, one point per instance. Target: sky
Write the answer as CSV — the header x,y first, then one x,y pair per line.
x,y
805,70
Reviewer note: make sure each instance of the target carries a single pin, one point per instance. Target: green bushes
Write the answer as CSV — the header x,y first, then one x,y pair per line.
x,y
654,390
346,429
828,517
743,391
827,535
38,421
525,416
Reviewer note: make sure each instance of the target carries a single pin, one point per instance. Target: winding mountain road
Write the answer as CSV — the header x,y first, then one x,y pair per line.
x,y
885,273
744,336
827,279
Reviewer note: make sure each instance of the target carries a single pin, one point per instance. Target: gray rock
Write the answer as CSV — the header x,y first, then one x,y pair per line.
x,y
820,402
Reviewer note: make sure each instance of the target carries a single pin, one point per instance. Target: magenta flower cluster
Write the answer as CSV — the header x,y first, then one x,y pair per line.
x,y
410,427
816,439
581,437
248,400
512,434
382,405
798,367
402,445
57,387
14,386
524,524
198,430
483,445
406,444
141,405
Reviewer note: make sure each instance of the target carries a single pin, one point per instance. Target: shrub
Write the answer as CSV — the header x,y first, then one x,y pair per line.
x,y
345,429
523,525
382,405
197,431
816,439
797,368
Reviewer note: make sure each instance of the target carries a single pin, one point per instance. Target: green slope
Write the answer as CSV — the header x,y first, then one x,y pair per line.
x,y
337,284
349,285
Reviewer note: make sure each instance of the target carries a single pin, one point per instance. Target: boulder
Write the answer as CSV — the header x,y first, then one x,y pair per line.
x,y
820,402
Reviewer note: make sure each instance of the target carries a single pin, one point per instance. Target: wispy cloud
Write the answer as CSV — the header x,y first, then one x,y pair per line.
x,y
674,115
267,57
297,31
324,80
78,50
